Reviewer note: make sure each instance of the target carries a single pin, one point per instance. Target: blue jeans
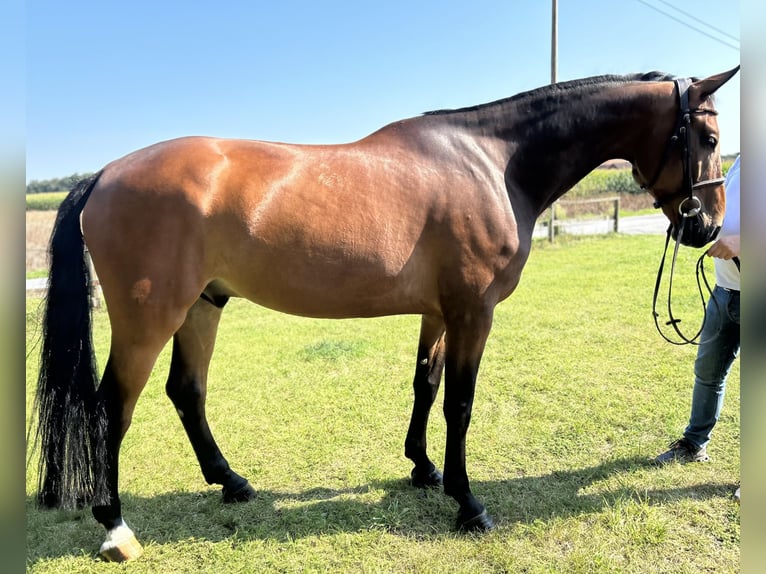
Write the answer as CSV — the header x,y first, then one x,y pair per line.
x,y
719,346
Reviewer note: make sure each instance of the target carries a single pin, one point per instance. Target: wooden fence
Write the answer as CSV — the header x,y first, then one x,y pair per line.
x,y
549,225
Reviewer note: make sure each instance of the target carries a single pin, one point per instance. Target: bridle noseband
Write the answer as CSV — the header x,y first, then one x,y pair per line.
x,y
681,134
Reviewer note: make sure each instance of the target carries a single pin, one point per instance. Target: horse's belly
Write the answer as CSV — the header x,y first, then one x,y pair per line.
x,y
351,287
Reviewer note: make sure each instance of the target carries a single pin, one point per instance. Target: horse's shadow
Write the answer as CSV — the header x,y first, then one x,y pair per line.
x,y
390,505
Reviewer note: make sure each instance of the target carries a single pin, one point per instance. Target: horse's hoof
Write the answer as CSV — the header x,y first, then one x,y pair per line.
x,y
433,479
241,493
120,545
481,523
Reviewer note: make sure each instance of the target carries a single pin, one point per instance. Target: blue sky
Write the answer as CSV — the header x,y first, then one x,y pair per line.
x,y
106,78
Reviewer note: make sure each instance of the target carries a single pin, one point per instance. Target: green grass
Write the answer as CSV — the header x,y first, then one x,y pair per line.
x,y
633,212
576,392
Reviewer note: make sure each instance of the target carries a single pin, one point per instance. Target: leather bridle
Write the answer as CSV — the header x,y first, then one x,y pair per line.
x,y
681,133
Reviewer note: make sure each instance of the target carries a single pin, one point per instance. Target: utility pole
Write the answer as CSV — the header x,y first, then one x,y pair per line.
x,y
554,41
554,65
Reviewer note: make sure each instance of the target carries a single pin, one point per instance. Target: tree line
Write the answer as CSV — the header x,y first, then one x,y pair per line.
x,y
55,184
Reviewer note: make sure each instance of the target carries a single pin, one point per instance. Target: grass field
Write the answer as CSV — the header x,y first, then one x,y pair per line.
x,y
45,201
576,393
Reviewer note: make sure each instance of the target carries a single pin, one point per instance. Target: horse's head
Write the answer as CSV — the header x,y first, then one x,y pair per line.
x,y
684,165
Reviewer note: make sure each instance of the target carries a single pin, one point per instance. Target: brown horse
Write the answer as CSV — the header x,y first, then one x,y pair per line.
x,y
431,215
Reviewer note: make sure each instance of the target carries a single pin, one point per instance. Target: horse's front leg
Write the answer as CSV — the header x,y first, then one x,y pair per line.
x,y
465,340
428,373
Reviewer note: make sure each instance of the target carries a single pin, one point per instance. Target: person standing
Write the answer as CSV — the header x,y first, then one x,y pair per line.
x,y
719,340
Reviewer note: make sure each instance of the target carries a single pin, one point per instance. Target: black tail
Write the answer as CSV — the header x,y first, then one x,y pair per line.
x,y
71,420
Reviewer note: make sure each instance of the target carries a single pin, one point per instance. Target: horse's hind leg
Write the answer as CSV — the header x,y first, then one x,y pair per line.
x,y
187,387
125,376
428,372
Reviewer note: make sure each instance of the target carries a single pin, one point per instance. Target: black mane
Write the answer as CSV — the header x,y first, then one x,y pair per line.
x,y
558,88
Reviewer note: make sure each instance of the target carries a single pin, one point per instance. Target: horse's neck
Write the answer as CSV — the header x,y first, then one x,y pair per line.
x,y
550,150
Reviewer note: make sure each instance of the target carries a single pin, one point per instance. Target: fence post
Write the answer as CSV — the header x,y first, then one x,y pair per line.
x,y
94,288
617,214
552,222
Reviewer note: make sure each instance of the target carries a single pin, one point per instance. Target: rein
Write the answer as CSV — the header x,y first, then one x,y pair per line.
x,y
672,321
700,272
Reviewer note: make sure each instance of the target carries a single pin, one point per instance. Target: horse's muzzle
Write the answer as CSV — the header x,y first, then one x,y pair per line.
x,y
696,231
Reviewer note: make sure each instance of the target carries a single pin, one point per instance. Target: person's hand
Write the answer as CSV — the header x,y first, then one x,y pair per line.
x,y
725,248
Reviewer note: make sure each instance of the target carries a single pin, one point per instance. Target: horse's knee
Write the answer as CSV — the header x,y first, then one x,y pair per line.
x,y
117,407
184,391
184,387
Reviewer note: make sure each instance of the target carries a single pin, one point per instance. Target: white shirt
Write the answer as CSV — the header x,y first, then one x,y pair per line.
x,y
726,272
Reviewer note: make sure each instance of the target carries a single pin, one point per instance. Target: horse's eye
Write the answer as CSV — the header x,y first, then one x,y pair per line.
x,y
710,141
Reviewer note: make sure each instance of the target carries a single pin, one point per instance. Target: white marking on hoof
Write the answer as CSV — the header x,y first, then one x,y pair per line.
x,y
120,544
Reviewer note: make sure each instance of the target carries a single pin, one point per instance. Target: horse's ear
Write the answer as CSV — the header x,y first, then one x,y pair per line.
x,y
708,86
